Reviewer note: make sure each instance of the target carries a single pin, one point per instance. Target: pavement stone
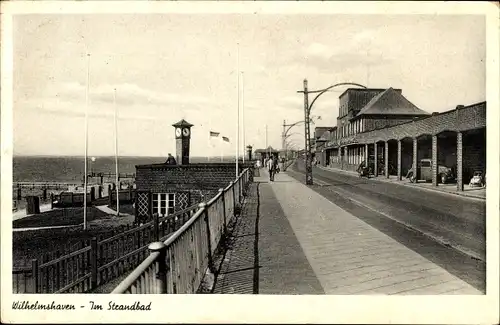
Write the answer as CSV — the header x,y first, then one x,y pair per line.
x,y
329,234
264,255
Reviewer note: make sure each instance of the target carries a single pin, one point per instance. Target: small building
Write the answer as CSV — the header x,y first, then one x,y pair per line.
x,y
263,154
165,189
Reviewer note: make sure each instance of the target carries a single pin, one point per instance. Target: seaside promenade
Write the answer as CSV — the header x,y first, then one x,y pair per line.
x,y
291,240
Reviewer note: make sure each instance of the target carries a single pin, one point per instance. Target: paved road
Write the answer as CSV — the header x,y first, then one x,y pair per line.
x,y
422,221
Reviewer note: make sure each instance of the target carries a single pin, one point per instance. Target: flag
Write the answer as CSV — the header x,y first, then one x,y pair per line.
x,y
214,134
225,139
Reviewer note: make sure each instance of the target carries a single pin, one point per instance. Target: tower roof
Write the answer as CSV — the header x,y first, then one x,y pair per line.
x,y
183,123
391,102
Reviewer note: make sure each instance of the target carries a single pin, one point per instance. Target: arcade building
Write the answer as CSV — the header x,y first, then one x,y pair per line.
x,y
383,128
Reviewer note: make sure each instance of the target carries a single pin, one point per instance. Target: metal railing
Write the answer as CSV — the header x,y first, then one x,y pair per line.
x,y
178,264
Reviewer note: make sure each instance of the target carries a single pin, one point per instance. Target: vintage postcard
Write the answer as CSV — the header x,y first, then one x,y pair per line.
x,y
249,162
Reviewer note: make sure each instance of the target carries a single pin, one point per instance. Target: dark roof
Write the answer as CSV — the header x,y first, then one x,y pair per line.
x,y
363,89
390,102
183,123
266,150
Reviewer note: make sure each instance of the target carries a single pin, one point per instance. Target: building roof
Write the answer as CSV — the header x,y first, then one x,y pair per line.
x,y
183,123
361,90
390,102
268,149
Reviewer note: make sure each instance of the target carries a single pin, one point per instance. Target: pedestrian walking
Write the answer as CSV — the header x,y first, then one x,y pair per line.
x,y
271,167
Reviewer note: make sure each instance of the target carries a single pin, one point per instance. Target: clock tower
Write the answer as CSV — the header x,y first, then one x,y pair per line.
x,y
182,139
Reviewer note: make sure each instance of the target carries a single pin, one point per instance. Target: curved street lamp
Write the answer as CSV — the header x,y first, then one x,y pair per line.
x,y
288,127
307,112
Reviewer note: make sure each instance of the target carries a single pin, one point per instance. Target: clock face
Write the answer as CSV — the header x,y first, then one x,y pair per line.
x,y
185,132
178,132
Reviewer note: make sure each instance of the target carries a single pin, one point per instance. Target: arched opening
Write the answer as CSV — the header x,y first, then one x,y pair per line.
x,y
446,156
474,153
406,155
392,157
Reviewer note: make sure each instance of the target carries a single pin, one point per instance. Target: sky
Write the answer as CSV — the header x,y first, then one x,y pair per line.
x,y
167,67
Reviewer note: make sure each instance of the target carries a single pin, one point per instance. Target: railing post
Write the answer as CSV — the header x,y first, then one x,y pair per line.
x,y
51,201
240,189
34,274
203,206
160,285
156,227
93,263
234,195
223,194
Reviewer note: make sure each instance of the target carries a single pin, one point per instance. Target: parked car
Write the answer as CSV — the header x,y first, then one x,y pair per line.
x,y
477,179
424,172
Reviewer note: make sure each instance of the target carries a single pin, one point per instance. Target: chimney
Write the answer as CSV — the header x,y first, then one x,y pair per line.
x,y
460,106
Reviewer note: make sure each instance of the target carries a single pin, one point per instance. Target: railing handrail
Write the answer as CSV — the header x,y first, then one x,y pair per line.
x,y
125,284
185,226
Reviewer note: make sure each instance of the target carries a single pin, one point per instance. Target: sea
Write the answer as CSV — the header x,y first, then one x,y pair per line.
x,y
72,169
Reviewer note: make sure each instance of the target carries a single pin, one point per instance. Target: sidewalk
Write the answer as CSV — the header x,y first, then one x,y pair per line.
x,y
291,240
470,192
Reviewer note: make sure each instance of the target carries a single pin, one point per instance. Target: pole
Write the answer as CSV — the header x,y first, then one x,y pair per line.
x,y
283,135
309,178
86,144
116,157
209,146
243,110
221,149
266,136
238,115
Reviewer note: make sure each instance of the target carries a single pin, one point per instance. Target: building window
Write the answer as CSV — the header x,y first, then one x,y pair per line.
x,y
163,203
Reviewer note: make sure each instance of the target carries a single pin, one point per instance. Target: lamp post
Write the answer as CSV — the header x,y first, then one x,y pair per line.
x,y
290,126
307,112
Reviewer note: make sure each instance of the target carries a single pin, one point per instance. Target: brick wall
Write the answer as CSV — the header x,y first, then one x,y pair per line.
x,y
198,179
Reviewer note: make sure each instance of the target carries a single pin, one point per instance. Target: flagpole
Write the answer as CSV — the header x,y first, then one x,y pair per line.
x,y
86,144
209,146
243,110
116,157
238,116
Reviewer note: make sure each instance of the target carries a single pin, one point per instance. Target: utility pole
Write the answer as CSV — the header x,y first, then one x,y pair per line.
x,y
283,140
309,177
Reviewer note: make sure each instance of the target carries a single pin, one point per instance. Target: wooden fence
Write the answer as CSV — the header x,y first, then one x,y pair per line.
x,y
98,262
178,264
